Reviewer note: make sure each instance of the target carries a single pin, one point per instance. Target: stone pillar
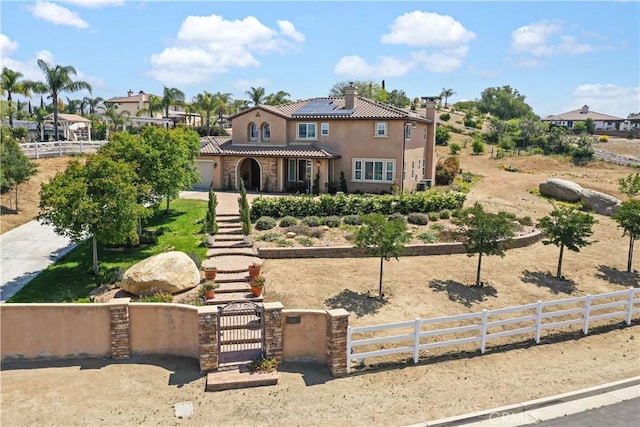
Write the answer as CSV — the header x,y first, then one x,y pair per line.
x,y
337,323
208,337
273,328
120,348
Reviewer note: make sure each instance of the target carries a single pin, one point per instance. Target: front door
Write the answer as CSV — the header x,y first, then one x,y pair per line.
x,y
250,173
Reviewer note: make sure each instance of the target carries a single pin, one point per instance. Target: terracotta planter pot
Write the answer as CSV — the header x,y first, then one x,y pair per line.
x,y
210,274
256,290
254,272
210,293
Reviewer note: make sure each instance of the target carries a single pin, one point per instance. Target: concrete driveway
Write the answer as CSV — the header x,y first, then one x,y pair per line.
x,y
24,252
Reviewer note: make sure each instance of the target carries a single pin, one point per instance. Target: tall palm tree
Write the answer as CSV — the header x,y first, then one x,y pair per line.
x,y
73,105
224,105
58,79
256,94
10,82
171,96
93,103
117,118
278,98
238,105
446,93
208,104
155,105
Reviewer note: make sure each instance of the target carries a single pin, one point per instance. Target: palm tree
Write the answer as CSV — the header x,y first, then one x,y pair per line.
x,y
224,105
446,93
278,98
208,104
57,80
155,105
73,105
93,103
10,82
238,105
171,96
256,95
117,118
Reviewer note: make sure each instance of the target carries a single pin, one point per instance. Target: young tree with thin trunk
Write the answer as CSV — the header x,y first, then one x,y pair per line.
x,y
15,167
630,185
567,227
382,237
484,233
628,218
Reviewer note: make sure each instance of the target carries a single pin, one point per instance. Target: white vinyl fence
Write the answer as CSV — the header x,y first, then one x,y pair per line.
x,y
480,327
36,150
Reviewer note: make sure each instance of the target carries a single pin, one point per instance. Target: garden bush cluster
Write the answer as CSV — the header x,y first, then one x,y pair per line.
x,y
344,205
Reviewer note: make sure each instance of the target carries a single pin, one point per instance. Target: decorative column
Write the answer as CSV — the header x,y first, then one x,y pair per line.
x,y
208,337
273,327
120,348
337,323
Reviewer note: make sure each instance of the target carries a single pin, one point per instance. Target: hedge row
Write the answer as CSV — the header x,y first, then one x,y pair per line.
x,y
353,204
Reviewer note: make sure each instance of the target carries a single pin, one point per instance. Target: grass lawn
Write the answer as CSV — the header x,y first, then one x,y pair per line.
x,y
71,278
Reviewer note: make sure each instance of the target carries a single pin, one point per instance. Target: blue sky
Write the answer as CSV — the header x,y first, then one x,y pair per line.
x,y
559,54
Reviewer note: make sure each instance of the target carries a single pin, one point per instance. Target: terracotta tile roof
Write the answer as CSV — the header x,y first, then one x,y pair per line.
x,y
364,108
221,145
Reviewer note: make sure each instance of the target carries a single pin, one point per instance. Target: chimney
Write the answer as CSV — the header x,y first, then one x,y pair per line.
x,y
129,92
585,109
350,97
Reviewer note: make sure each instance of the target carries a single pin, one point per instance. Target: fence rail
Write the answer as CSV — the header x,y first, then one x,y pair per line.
x,y
37,150
410,337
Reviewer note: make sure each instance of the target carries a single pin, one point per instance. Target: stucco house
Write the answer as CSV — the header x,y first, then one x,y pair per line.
x,y
133,103
601,121
283,148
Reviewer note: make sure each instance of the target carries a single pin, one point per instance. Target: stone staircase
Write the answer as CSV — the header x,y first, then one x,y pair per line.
x,y
231,256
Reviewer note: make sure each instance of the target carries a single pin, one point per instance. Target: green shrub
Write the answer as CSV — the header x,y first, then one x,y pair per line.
x,y
442,135
288,221
271,236
433,216
446,170
312,221
352,220
454,148
427,237
437,227
511,168
445,117
537,150
305,241
526,221
283,243
303,229
418,218
333,221
155,295
478,146
470,122
397,216
265,223
445,214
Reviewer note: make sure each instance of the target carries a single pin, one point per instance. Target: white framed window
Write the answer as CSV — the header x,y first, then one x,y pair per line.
x,y
253,132
307,131
381,129
266,132
299,170
407,132
324,129
292,170
373,170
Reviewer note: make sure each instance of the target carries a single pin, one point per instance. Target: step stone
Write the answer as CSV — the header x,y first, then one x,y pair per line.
x,y
226,298
242,377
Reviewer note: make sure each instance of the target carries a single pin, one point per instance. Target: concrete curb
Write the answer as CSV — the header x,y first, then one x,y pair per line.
x,y
531,404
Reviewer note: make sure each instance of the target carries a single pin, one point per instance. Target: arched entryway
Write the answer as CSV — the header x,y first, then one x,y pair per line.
x,y
249,171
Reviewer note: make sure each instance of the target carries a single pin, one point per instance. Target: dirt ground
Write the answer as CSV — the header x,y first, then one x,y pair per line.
x,y
103,392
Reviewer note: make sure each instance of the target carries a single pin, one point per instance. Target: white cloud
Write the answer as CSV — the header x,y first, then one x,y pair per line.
x,y
356,67
57,14
95,3
533,36
208,45
443,61
7,46
607,98
427,29
289,30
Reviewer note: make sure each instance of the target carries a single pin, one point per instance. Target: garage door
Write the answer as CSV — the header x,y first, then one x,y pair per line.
x,y
206,175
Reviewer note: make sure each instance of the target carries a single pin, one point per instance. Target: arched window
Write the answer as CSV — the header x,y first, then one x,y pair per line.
x,y
253,132
266,132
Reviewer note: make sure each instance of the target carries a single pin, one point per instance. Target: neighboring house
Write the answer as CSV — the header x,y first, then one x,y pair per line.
x,y
601,121
633,122
282,148
134,103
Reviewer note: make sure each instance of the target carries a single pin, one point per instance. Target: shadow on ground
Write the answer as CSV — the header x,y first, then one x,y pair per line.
x,y
312,373
461,293
618,277
357,303
547,280
183,370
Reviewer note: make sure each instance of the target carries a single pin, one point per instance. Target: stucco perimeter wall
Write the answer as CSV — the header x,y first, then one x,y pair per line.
x,y
304,335
38,331
409,250
164,329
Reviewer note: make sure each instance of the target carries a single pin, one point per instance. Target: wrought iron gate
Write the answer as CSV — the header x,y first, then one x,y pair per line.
x,y
240,332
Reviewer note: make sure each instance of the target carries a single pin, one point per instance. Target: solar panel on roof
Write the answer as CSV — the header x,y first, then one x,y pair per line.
x,y
316,107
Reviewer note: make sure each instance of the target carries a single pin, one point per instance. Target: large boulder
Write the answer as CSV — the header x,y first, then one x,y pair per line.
x,y
172,272
561,189
601,203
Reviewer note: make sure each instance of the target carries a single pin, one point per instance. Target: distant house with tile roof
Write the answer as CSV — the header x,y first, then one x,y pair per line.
x,y
601,121
137,106
283,148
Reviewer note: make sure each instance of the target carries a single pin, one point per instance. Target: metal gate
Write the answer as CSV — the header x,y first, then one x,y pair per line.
x,y
240,332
